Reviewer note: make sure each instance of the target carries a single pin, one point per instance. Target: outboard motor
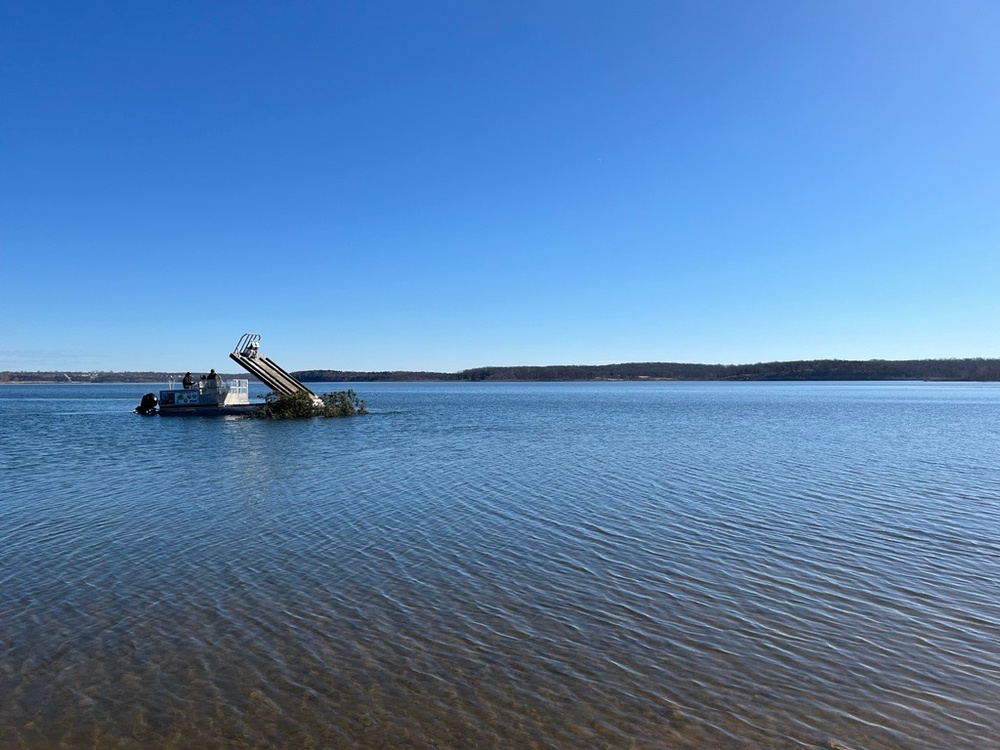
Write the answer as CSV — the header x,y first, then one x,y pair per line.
x,y
147,406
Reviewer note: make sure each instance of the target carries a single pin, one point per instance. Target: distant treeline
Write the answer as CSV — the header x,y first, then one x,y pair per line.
x,y
66,376
977,369
820,369
352,376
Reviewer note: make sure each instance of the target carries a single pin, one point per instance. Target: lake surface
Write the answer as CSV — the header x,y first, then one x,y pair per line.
x,y
614,565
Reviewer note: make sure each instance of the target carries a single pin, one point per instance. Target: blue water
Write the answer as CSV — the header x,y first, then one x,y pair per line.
x,y
648,565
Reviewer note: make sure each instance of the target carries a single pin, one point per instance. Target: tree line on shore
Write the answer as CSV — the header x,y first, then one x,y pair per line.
x,y
823,369
973,369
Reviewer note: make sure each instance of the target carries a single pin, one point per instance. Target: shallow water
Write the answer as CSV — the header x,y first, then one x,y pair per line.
x,y
650,565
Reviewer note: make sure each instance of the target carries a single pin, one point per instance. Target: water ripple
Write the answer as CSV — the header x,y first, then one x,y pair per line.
x,y
661,565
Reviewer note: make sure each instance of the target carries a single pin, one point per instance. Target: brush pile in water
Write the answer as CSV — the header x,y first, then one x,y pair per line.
x,y
300,406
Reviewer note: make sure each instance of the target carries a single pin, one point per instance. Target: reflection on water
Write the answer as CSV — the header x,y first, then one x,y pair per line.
x,y
574,565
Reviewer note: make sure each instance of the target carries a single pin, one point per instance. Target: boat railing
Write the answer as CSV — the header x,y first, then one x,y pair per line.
x,y
238,386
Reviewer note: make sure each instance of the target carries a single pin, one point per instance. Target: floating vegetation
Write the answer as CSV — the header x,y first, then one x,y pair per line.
x,y
300,406
342,404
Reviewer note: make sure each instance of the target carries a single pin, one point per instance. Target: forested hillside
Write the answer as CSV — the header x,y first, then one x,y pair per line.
x,y
976,369
824,369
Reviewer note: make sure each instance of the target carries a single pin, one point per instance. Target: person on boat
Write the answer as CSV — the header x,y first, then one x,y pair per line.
x,y
188,381
212,375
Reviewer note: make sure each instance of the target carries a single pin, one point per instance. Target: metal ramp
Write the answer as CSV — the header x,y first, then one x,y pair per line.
x,y
247,355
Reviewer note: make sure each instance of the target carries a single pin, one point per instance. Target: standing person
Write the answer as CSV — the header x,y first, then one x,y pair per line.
x,y
188,381
212,375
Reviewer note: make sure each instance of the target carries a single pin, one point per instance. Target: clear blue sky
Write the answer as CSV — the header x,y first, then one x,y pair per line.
x,y
443,185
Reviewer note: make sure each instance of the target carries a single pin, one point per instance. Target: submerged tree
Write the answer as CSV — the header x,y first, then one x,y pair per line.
x,y
300,406
342,404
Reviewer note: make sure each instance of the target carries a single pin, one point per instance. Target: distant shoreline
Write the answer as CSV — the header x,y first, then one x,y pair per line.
x,y
970,370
